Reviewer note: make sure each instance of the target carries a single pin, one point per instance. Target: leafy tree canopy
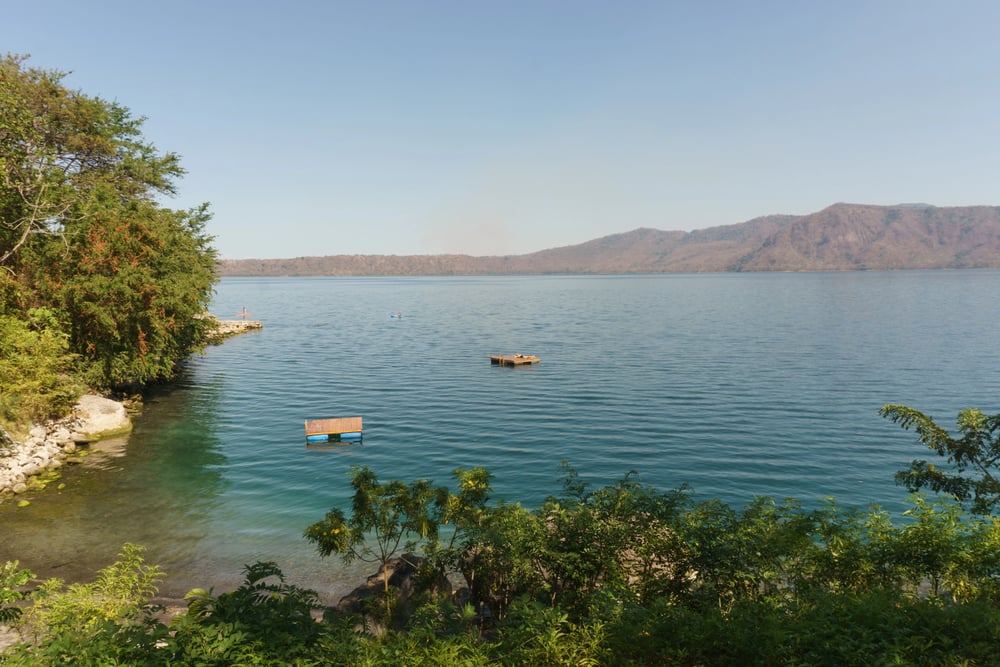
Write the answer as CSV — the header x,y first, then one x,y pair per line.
x,y
84,237
58,147
973,456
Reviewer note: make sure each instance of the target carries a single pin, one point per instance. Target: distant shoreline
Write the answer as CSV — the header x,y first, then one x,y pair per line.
x,y
842,237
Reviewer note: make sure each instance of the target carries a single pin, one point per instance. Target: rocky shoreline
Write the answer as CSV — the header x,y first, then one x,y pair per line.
x,y
48,446
29,462
226,328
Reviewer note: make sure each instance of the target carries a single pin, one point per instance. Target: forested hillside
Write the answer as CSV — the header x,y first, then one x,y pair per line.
x,y
843,237
100,284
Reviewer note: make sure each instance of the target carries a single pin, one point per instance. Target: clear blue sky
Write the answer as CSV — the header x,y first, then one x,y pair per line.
x,y
503,127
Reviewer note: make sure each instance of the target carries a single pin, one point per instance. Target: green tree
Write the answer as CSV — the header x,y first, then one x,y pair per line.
x,y
498,557
618,539
743,555
82,232
580,551
851,551
467,508
386,519
973,456
57,146
638,528
140,281
934,547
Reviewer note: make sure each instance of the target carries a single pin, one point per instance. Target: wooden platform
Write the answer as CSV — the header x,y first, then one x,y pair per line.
x,y
338,428
513,359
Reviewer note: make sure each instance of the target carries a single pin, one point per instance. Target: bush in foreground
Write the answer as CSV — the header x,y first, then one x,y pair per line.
x,y
622,575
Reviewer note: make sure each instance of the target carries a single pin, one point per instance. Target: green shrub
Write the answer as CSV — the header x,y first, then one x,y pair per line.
x,y
12,579
264,619
120,594
36,369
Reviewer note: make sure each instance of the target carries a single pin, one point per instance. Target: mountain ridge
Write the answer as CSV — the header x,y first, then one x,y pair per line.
x,y
841,237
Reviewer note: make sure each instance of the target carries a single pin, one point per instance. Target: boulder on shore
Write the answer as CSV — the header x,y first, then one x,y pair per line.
x,y
99,418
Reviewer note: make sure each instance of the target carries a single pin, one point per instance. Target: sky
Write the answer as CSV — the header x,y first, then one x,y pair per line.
x,y
507,127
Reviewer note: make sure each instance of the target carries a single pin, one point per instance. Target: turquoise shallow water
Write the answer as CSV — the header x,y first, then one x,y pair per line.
x,y
738,385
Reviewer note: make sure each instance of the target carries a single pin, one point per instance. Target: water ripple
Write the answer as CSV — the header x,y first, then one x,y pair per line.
x,y
736,385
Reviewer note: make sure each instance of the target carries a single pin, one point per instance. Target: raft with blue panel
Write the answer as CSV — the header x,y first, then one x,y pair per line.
x,y
336,429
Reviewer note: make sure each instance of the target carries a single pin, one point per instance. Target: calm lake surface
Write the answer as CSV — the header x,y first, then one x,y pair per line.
x,y
736,384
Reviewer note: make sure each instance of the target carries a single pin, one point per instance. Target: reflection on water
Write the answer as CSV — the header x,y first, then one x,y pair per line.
x,y
155,487
102,454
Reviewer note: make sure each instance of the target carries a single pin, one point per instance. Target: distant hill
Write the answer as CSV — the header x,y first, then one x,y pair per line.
x,y
843,237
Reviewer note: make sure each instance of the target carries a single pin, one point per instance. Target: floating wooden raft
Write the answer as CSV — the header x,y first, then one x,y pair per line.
x,y
336,429
513,359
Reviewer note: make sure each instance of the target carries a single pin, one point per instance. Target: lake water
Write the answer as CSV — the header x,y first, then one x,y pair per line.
x,y
736,384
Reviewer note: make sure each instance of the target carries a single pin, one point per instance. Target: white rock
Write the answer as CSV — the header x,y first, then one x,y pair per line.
x,y
101,416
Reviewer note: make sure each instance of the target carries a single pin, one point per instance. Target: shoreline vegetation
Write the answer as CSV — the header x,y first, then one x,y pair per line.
x,y
102,288
620,575
30,462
